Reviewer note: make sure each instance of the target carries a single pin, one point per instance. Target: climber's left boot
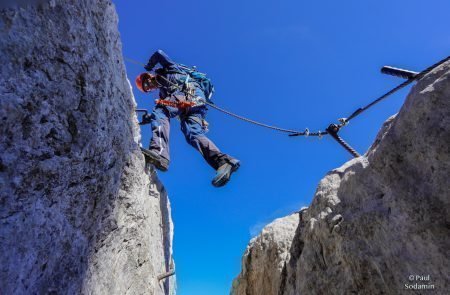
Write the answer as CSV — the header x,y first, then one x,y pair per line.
x,y
154,158
223,173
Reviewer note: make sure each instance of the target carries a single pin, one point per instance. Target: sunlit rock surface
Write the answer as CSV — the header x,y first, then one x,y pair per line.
x,y
377,225
79,211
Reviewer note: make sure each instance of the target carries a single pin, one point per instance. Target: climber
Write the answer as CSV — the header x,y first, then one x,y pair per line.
x,y
181,95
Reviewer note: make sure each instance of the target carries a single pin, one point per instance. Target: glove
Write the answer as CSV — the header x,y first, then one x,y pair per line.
x,y
148,67
146,119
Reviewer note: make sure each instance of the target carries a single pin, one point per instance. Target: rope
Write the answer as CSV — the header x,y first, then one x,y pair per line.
x,y
344,121
134,61
305,133
395,89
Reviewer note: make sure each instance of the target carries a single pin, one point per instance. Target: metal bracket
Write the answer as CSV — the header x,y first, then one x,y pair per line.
x,y
402,73
333,130
166,275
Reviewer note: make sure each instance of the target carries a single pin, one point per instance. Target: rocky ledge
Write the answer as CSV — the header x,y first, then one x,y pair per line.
x,y
377,225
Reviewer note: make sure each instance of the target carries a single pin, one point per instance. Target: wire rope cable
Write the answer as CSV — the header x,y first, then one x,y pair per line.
x,y
344,121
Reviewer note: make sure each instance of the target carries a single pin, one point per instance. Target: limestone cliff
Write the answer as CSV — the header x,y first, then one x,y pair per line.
x,y
377,225
79,211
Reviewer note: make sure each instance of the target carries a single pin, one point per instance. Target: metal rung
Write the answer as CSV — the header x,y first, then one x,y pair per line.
x,y
166,275
405,74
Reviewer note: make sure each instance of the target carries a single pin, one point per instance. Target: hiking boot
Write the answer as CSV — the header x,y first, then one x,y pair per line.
x,y
223,174
154,158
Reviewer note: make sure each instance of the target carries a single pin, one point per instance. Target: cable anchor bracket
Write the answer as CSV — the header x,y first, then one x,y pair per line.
x,y
333,130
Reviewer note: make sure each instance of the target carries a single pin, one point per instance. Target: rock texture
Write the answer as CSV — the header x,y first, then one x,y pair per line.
x,y
79,211
273,244
374,222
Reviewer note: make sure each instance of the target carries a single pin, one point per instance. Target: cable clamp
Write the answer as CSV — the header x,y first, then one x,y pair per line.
x,y
320,134
306,132
343,121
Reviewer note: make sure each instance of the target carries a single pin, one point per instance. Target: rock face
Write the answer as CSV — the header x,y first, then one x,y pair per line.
x,y
377,225
273,244
79,211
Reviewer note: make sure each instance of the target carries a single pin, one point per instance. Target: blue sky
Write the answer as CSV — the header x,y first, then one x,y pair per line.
x,y
290,63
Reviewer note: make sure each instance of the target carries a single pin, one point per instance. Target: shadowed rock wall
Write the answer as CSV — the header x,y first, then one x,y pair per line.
x,y
79,211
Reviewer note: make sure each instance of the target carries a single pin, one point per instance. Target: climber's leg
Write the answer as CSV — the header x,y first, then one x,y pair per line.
x,y
158,152
194,131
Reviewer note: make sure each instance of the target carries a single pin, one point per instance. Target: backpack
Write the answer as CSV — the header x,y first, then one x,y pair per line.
x,y
200,78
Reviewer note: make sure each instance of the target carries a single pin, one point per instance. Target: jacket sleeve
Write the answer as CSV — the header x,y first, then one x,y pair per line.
x,y
159,57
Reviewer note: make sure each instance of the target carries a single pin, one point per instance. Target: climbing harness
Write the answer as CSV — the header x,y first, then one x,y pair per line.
x,y
332,129
175,104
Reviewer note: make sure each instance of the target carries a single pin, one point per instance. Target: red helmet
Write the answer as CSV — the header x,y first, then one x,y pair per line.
x,y
146,82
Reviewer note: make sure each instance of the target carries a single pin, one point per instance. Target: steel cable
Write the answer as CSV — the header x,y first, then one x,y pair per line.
x,y
344,121
395,89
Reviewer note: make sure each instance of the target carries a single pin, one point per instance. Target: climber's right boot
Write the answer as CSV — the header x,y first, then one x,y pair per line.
x,y
223,173
154,158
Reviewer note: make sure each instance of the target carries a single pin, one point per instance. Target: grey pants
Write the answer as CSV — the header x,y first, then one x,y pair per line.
x,y
193,130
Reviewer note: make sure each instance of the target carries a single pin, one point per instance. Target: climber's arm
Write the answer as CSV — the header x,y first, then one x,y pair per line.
x,y
159,57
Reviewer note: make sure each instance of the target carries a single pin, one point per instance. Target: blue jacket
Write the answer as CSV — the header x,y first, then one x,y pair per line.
x,y
170,71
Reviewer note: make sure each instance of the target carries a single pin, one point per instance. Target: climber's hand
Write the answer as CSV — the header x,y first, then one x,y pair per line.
x,y
148,68
146,119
